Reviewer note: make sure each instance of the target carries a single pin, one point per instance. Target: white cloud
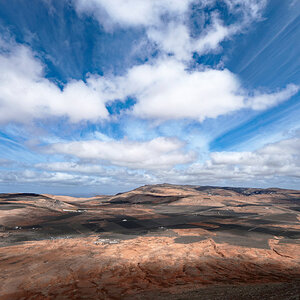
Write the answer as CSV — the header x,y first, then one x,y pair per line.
x,y
157,153
159,157
249,9
173,38
264,101
166,90
213,36
56,178
81,173
132,12
166,21
71,167
26,94
276,164
93,172
277,159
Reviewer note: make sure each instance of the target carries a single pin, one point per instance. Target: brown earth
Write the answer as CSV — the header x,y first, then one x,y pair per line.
x,y
155,242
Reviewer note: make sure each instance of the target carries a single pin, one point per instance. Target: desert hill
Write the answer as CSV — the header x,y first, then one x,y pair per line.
x,y
155,242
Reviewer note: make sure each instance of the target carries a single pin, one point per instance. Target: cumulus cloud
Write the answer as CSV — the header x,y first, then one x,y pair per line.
x,y
164,89
174,38
277,159
75,174
167,90
276,163
56,178
25,93
157,153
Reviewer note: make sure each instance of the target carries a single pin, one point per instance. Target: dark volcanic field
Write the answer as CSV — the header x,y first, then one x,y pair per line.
x,y
155,242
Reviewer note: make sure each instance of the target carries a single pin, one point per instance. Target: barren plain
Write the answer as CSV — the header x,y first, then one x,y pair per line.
x,y
155,242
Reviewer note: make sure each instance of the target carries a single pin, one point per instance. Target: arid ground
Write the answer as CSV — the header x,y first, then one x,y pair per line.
x,y
155,242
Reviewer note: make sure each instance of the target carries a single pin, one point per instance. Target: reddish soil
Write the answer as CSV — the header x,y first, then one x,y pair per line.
x,y
145,244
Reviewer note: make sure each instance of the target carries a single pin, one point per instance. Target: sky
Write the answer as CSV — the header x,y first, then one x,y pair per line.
x,y
100,97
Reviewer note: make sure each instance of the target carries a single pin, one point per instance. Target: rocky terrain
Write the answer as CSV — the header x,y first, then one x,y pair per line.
x,y
155,242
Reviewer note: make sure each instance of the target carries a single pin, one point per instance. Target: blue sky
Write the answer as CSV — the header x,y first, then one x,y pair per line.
x,y
100,96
